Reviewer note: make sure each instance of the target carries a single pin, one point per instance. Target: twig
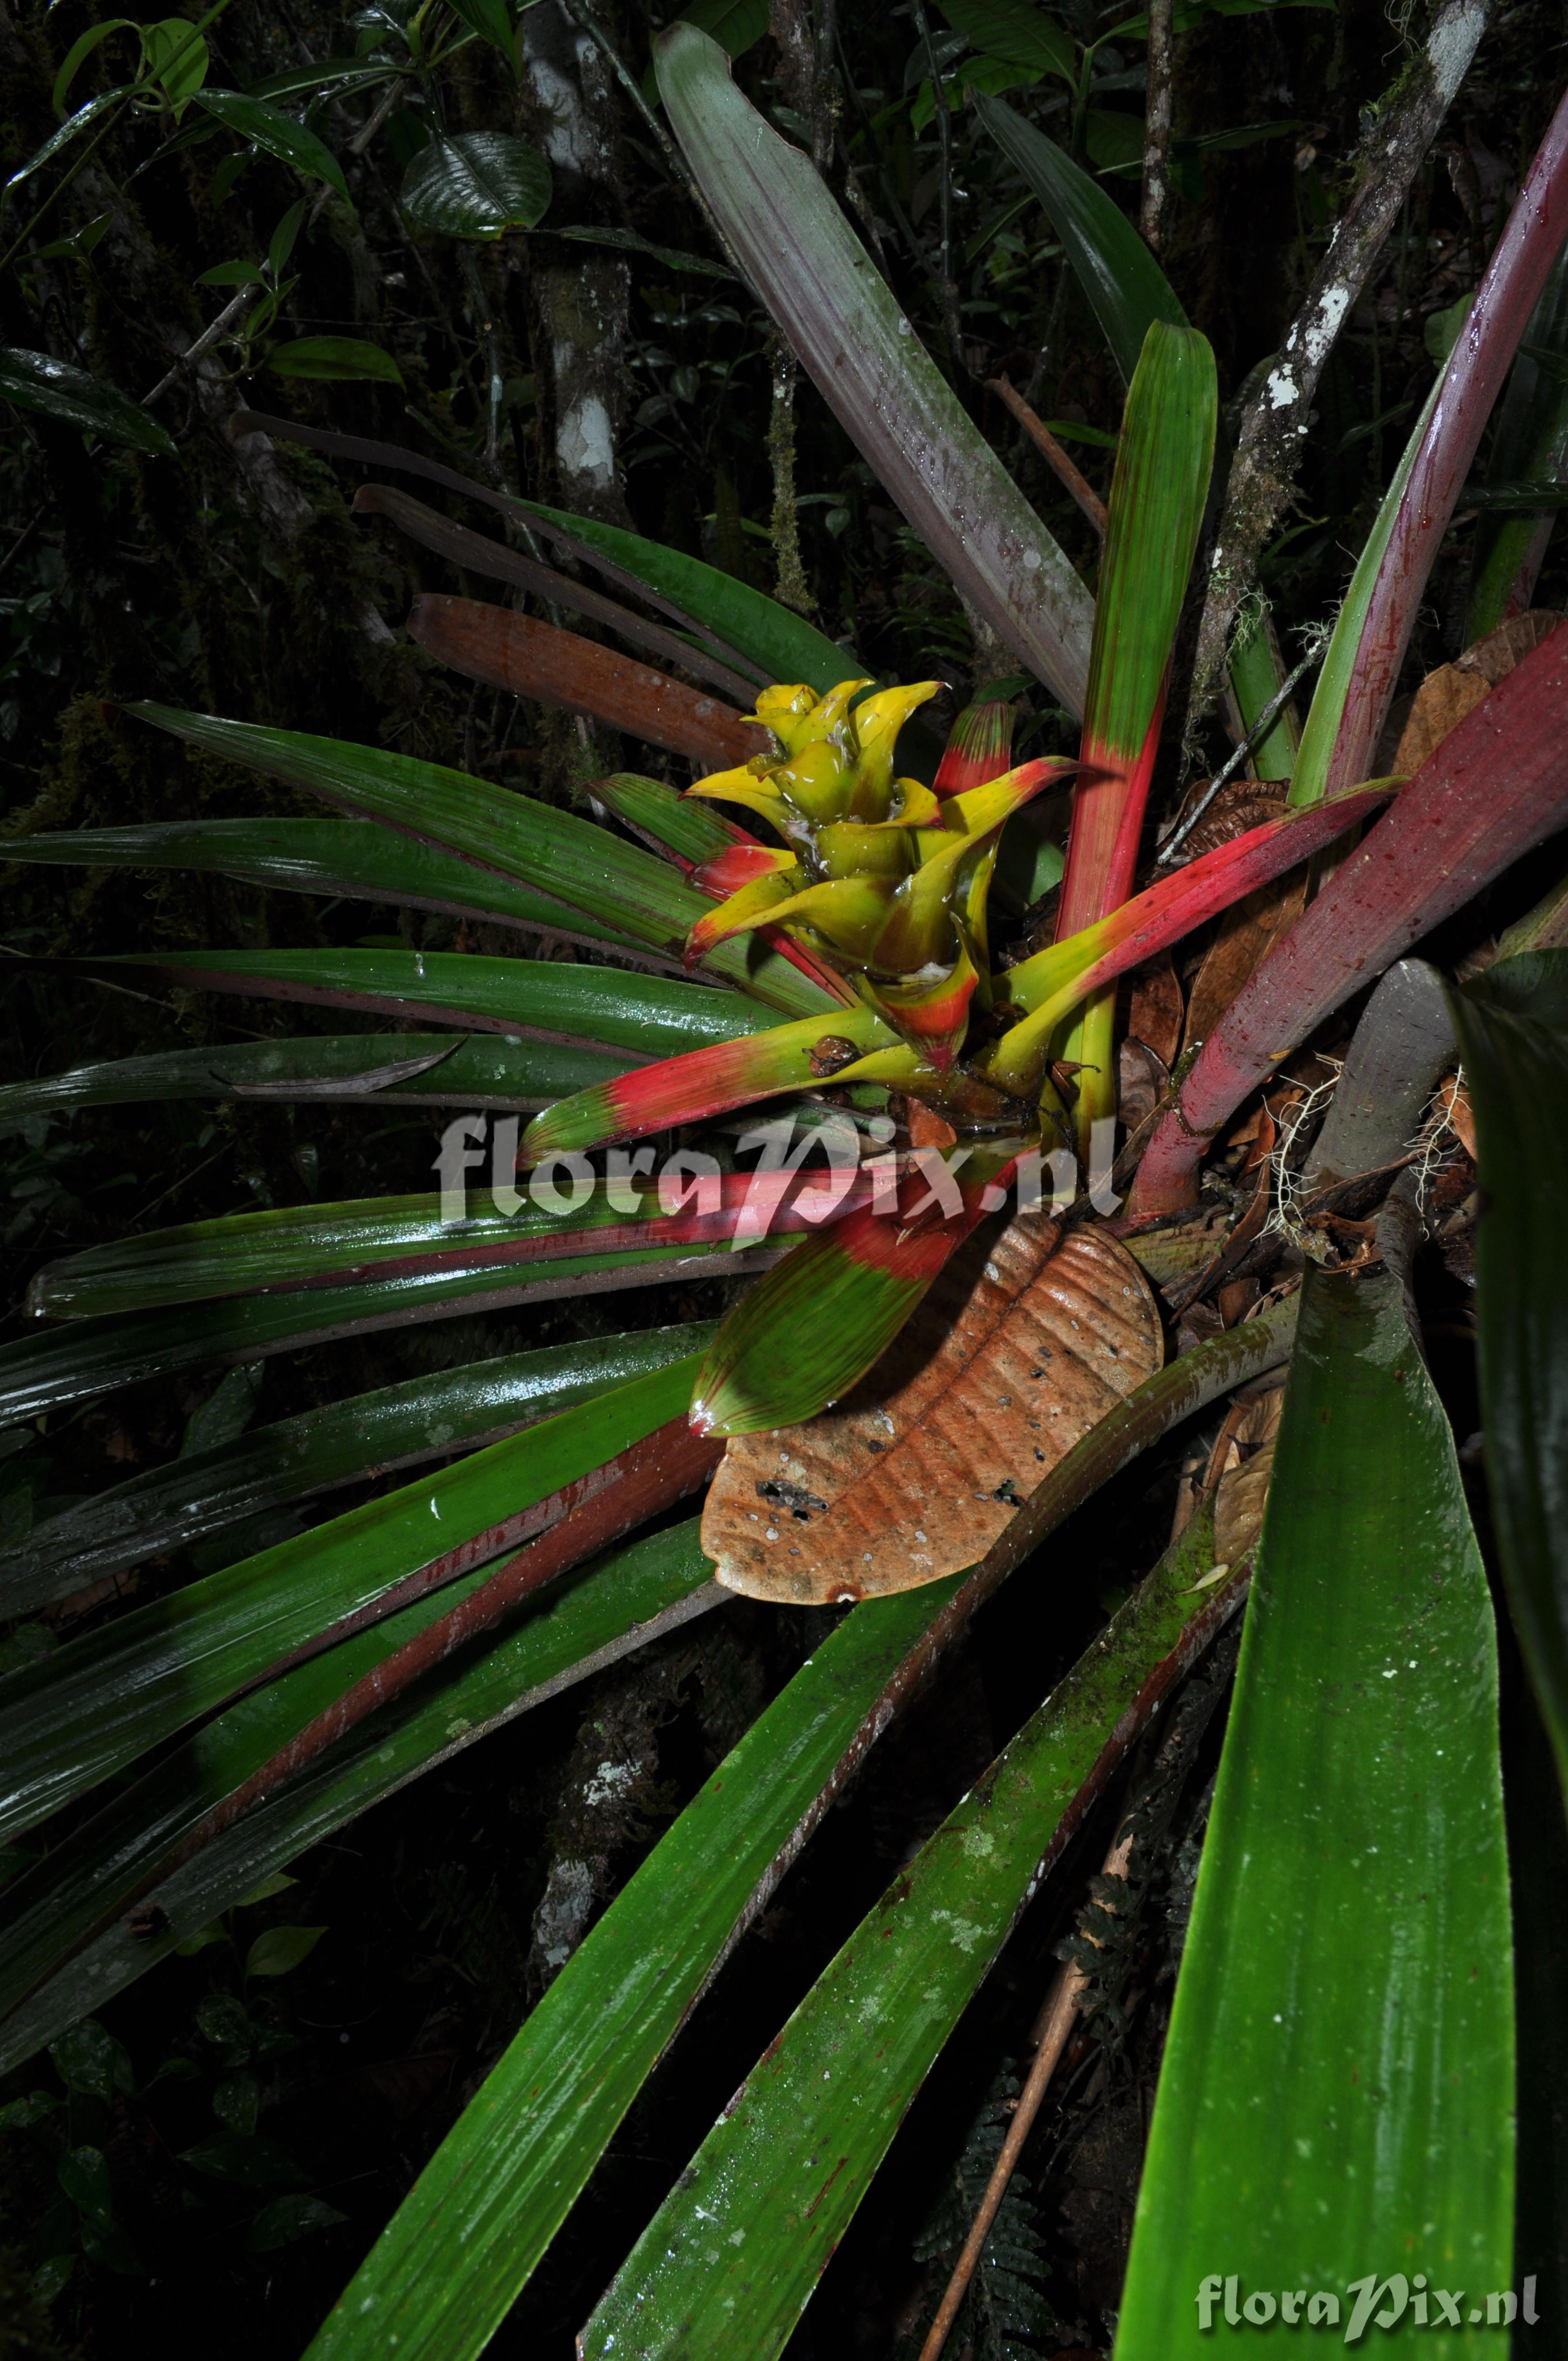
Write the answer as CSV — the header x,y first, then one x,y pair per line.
x,y
1156,122
1052,2029
790,585
1232,764
947,288
1040,435
585,18
1274,431
204,343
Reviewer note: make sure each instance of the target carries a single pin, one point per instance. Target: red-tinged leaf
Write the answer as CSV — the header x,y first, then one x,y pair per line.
x,y
1477,367
840,1300
477,554
747,907
739,864
641,1017
571,1526
819,283
1495,787
979,748
1163,460
527,658
688,833
933,1018
708,1081
1045,988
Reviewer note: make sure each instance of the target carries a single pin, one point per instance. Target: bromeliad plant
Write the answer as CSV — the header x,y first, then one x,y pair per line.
x,y
243,1717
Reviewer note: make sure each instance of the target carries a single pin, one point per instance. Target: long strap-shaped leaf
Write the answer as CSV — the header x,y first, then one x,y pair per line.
x,y
1337,2101
1496,785
1469,386
512,2165
1163,460
756,2215
612,882
351,858
585,1621
87,1357
1512,1023
645,1017
864,356
396,1426
783,645
95,1704
530,658
1114,268
467,1069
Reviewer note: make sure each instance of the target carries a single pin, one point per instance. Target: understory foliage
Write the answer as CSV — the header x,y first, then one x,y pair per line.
x,y
783,789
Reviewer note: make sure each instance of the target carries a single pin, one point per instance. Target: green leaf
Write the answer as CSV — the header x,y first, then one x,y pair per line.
x,y
1530,442
327,73
755,2217
91,2060
37,381
1157,491
549,851
225,1413
256,2163
269,1887
685,824
1337,2092
822,288
1120,278
89,1356
95,1704
786,646
492,19
1015,33
279,1951
353,859
736,25
21,2115
267,127
84,2177
588,1618
472,1070
177,58
80,51
69,130
232,274
476,185
288,2218
605,1007
629,241
1512,1025
525,2145
1308,779
397,1427
335,357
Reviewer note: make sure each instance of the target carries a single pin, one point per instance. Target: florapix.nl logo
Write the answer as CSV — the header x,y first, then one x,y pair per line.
x,y
1369,2302
805,1173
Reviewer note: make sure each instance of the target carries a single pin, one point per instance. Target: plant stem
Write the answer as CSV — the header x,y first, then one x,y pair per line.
x,y
1051,2037
947,288
1156,122
1040,435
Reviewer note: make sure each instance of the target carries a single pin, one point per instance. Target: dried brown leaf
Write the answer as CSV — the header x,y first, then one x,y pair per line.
x,y
1239,1505
1016,1354
1155,1008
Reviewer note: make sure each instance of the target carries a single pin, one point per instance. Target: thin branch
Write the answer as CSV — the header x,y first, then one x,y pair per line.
x,y
947,286
1051,2034
1274,433
1156,122
202,345
1040,435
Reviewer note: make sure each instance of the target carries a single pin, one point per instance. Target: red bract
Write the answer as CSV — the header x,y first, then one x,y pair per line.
x,y
1495,787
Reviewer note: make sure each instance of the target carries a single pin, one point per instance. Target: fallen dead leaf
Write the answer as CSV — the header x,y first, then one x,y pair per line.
x,y
1014,1355
1155,1008
1247,934
1239,1505
1419,724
